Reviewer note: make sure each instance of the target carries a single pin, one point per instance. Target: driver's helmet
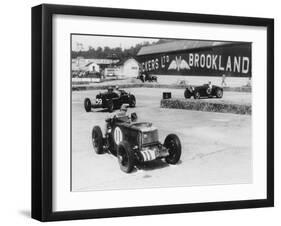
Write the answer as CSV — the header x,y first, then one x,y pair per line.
x,y
122,114
209,90
123,108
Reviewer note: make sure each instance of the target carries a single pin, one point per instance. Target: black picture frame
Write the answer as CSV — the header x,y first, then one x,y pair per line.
x,y
42,183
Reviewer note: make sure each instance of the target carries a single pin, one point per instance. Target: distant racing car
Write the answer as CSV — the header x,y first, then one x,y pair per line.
x,y
206,90
134,142
145,76
112,99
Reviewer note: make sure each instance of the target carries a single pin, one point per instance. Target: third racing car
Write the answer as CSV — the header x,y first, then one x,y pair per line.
x,y
206,90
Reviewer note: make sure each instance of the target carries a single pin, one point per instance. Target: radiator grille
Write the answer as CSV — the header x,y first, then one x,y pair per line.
x,y
150,137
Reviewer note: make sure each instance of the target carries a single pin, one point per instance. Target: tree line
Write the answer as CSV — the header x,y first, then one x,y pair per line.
x,y
113,53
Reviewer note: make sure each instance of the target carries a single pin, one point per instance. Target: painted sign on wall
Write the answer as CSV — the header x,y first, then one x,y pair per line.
x,y
233,60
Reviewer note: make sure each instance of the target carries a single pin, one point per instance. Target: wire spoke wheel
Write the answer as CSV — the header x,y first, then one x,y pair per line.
x,y
87,105
219,93
97,140
110,106
172,149
133,101
125,157
172,143
187,94
196,95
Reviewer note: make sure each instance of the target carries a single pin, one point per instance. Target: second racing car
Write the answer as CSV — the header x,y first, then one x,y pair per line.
x,y
110,100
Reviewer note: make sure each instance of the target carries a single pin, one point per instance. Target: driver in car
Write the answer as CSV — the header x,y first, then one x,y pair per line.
x,y
123,112
120,116
210,87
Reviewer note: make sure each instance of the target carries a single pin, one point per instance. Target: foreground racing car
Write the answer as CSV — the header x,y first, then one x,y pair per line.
x,y
110,100
206,90
134,142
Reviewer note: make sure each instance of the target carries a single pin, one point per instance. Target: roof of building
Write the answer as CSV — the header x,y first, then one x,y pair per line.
x,y
88,64
178,45
121,62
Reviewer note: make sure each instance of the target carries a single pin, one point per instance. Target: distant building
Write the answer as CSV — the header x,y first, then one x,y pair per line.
x,y
124,69
195,57
91,67
128,68
82,64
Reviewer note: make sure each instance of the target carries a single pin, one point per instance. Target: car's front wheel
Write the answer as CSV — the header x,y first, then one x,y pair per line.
x,y
125,157
132,101
187,94
142,78
87,105
97,140
197,95
173,144
219,93
110,105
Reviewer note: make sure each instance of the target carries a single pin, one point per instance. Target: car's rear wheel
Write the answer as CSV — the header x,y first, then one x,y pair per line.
x,y
87,105
187,94
132,101
110,105
219,93
142,78
125,157
197,95
97,140
173,144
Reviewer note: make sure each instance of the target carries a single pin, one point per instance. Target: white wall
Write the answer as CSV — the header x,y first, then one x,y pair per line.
x,y
94,67
130,68
16,104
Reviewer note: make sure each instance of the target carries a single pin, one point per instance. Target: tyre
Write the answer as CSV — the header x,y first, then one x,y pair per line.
x,y
134,117
125,157
173,144
97,140
110,105
87,105
187,94
196,95
209,91
132,101
219,93
142,78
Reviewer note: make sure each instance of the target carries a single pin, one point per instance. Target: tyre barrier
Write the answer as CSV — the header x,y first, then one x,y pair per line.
x,y
208,106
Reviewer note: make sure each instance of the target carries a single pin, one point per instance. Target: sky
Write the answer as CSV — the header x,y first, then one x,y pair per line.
x,y
102,41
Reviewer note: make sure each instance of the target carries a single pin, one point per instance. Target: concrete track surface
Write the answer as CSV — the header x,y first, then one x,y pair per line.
x,y
216,147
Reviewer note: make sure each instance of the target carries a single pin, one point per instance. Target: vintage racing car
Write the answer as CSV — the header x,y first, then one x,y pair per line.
x,y
206,90
112,99
134,142
145,76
